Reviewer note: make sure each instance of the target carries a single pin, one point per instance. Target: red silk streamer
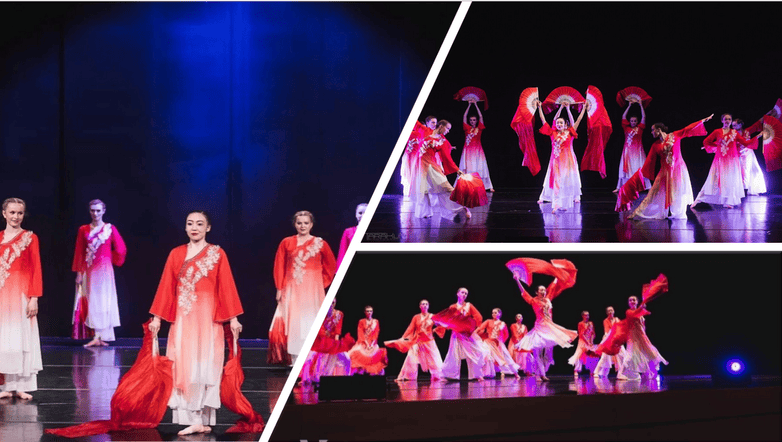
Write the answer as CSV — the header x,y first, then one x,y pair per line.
x,y
562,270
630,191
453,319
523,123
231,389
79,329
655,288
278,341
599,130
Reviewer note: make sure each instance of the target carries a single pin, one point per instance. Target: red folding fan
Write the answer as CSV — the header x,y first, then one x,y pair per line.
x,y
523,123
560,95
772,143
519,269
777,111
469,191
471,93
634,94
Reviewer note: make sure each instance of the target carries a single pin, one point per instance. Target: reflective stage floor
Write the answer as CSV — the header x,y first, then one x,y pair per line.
x,y
565,408
76,386
515,216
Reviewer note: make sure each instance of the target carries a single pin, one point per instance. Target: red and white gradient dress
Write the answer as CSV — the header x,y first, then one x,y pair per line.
x,y
473,158
723,185
467,345
522,358
586,342
366,356
302,273
196,296
545,334
494,334
562,185
672,188
607,361
642,357
633,154
751,173
432,194
98,250
418,341
328,357
411,158
20,343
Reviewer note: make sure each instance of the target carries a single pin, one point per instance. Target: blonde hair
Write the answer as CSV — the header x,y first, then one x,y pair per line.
x,y
303,213
94,202
13,201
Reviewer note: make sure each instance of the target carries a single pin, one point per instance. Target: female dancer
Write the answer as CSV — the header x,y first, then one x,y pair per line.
x,y
642,358
545,334
633,154
366,356
562,185
410,157
606,360
434,191
473,158
196,295
723,184
517,331
751,173
586,342
349,233
494,333
418,341
99,247
671,191
328,356
303,267
20,288
464,344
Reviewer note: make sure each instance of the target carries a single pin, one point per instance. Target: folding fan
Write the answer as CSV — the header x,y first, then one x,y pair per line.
x,y
772,143
599,130
655,288
633,93
777,111
471,93
560,95
519,269
470,191
523,123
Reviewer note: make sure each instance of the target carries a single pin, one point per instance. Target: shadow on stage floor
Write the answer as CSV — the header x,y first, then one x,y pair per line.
x,y
515,216
667,408
76,386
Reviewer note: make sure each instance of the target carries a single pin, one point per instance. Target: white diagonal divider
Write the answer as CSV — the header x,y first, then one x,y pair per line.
x,y
370,211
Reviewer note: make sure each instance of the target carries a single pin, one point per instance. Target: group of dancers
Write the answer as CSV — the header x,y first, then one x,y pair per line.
x,y
196,294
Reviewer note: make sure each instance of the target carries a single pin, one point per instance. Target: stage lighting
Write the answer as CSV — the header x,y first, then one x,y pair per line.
x,y
731,372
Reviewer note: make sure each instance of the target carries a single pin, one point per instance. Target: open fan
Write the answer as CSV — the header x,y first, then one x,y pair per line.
x,y
523,123
599,130
470,191
655,288
519,269
471,93
634,94
560,95
772,143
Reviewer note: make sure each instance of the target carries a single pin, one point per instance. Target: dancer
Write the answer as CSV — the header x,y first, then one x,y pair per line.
x,y
196,295
586,343
328,356
751,173
349,233
642,358
494,333
303,267
473,158
366,356
545,334
410,157
463,318
671,191
723,184
517,331
20,288
562,185
418,342
633,154
606,360
434,190
99,247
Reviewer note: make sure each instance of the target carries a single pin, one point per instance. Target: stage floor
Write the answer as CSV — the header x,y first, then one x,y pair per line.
x,y
515,216
76,386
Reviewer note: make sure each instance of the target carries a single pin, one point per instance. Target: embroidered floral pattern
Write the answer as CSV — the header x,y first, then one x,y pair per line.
x,y
668,149
11,253
470,135
94,243
496,329
331,322
726,141
556,144
432,142
193,274
300,260
630,135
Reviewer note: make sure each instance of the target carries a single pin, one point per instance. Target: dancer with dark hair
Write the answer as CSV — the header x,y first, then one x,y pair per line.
x,y
517,332
494,333
418,343
409,169
462,318
328,356
643,359
366,356
586,343
751,173
633,154
473,158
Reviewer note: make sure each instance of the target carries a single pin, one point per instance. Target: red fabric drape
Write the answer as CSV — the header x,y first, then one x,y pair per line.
x,y
523,123
453,319
470,191
629,192
655,288
599,130
278,341
231,389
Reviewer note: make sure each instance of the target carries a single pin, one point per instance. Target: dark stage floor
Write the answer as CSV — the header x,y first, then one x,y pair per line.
x,y
515,216
668,408
76,386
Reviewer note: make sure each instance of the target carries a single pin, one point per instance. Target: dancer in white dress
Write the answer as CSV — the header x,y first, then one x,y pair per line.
x,y
473,158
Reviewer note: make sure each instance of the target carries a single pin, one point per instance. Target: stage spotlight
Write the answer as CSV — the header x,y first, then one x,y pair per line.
x,y
731,372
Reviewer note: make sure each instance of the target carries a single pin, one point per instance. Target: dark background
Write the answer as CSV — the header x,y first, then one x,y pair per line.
x,y
251,111
717,304
693,59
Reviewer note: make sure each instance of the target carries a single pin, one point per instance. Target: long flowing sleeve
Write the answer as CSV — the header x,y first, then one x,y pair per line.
x,y
449,166
118,249
476,315
696,129
164,304
279,264
503,335
35,284
79,263
328,264
228,304
710,142
483,329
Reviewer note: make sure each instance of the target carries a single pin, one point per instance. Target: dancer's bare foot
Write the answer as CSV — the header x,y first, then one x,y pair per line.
x,y
96,342
467,213
103,343
193,429
543,378
5,394
23,396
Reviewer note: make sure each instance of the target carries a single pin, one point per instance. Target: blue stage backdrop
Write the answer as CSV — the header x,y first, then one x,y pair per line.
x,y
251,111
